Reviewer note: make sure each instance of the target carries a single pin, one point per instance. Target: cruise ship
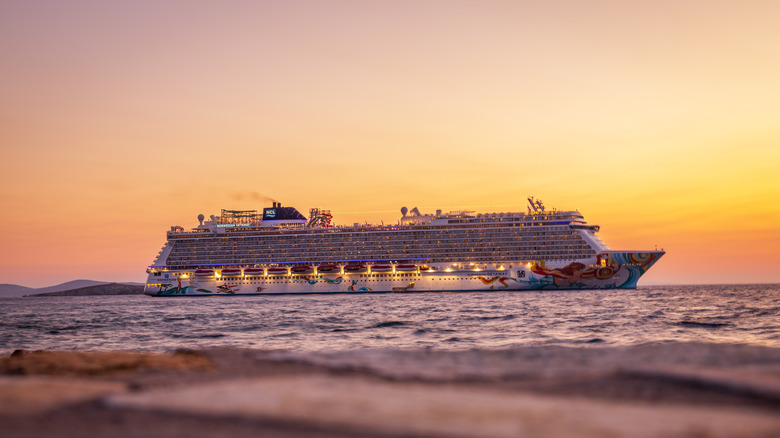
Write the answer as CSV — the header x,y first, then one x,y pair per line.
x,y
280,251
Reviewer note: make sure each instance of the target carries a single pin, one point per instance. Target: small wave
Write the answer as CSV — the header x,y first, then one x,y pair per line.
x,y
771,311
197,335
333,320
419,332
56,330
580,341
175,318
389,324
252,328
689,323
488,318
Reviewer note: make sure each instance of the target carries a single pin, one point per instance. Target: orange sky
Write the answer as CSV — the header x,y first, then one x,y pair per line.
x,y
659,120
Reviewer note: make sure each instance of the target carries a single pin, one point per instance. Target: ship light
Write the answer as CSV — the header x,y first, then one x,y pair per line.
x,y
477,269
501,268
448,270
184,276
217,275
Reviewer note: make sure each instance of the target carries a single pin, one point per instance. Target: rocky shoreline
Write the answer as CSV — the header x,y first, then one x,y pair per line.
x,y
670,390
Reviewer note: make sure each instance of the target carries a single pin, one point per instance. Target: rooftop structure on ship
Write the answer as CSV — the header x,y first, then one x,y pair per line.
x,y
283,236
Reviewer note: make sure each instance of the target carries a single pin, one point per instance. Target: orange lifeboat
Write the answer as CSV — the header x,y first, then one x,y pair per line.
x,y
300,270
204,272
406,268
355,268
230,272
381,268
253,271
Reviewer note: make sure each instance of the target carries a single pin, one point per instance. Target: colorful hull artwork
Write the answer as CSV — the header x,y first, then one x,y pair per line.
x,y
611,270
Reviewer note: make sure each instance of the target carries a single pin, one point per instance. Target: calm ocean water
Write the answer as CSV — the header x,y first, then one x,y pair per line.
x,y
747,314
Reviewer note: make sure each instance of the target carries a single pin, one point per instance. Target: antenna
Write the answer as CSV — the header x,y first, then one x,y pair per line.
x,y
532,204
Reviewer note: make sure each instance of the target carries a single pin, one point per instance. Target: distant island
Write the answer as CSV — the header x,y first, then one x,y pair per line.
x,y
99,289
71,288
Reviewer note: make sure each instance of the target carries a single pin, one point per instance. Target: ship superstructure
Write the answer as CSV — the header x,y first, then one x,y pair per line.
x,y
281,251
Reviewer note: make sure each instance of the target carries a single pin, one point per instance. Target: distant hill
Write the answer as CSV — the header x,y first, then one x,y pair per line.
x,y
98,289
75,284
15,290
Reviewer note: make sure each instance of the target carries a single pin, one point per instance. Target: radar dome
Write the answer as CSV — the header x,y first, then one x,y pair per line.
x,y
403,211
200,218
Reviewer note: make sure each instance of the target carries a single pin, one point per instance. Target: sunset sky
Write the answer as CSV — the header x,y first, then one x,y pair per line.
x,y
659,120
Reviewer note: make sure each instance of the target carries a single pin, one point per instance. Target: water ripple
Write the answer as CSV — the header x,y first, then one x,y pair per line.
x,y
737,314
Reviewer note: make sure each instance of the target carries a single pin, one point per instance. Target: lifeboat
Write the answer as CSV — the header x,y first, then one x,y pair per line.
x,y
355,268
406,268
253,271
230,272
302,270
327,269
277,271
204,272
381,268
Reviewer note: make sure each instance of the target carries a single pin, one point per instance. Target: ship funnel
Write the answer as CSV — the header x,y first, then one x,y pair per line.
x,y
404,210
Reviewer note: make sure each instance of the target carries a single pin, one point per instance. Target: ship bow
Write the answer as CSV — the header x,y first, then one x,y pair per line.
x,y
636,263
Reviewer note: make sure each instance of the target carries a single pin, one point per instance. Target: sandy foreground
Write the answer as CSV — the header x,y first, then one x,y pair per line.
x,y
659,390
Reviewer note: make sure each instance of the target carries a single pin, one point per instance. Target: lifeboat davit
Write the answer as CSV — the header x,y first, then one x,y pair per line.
x,y
355,268
406,268
230,272
302,270
204,272
381,268
275,271
253,271
327,269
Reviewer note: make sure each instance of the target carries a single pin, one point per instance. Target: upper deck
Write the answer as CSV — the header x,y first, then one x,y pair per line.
x,y
242,223
440,237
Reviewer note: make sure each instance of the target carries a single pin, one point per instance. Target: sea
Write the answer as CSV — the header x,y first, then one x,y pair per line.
x,y
744,314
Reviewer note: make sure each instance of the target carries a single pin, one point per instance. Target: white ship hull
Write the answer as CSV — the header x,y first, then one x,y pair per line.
x,y
608,270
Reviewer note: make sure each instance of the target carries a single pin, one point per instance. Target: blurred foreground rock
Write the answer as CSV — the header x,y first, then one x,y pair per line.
x,y
96,363
660,390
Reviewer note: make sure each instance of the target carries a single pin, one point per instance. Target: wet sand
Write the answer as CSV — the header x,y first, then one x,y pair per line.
x,y
669,390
